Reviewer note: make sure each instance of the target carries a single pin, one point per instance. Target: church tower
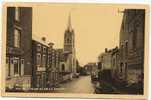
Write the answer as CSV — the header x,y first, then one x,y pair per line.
x,y
69,38
69,46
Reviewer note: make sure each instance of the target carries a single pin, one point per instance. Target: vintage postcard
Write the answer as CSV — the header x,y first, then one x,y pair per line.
x,y
80,50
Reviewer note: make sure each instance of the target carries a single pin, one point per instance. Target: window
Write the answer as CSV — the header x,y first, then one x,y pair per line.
x,y
126,49
11,61
134,36
44,49
68,40
122,48
38,47
125,67
38,59
22,61
113,62
16,66
44,60
17,38
17,14
134,40
22,67
38,82
8,66
121,66
63,67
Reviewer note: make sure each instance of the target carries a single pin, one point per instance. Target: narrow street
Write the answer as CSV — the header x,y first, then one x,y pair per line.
x,y
77,85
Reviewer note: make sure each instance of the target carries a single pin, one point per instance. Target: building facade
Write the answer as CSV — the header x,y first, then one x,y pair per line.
x,y
40,63
50,72
108,64
105,59
59,59
132,45
53,70
18,48
115,69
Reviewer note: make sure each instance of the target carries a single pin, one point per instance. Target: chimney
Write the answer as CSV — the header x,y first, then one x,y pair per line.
x,y
106,50
116,47
44,39
51,44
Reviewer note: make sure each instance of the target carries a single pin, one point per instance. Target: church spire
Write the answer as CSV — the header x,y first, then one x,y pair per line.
x,y
69,22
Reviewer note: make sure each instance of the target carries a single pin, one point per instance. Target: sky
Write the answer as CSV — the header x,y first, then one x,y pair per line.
x,y
96,27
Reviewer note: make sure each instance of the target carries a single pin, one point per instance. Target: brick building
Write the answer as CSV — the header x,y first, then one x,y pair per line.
x,y
18,48
40,62
53,70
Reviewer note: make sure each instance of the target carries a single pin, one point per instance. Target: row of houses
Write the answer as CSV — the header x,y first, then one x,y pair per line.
x,y
31,62
125,64
46,64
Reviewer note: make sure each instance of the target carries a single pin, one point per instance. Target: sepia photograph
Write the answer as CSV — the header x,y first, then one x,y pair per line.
x,y
73,48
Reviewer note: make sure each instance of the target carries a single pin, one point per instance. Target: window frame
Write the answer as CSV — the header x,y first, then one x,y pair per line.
x,y
18,65
38,63
22,61
8,62
38,47
17,13
44,49
17,38
44,60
